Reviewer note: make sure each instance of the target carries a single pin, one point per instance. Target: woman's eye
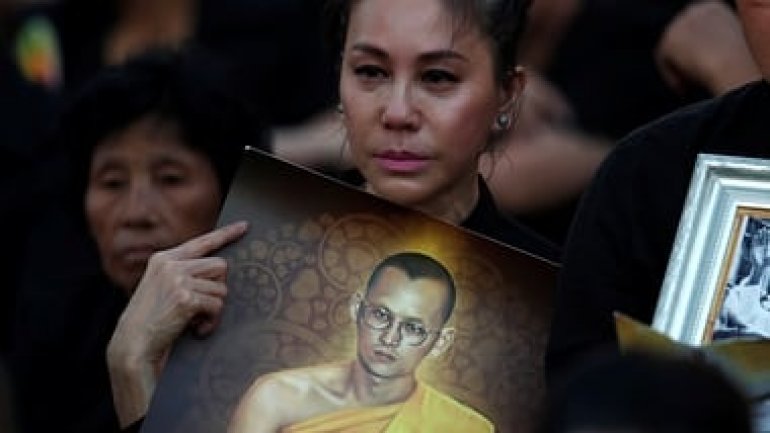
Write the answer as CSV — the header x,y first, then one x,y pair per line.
x,y
369,72
171,179
439,77
112,183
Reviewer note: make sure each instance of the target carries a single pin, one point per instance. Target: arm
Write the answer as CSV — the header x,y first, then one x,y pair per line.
x,y
180,288
542,170
704,45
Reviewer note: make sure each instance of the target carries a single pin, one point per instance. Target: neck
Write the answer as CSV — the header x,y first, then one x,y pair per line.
x,y
371,390
452,205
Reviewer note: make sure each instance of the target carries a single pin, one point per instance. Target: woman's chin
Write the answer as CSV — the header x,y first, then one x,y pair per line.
x,y
405,192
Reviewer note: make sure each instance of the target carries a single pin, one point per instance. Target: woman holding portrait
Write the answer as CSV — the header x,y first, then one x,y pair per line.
x,y
426,88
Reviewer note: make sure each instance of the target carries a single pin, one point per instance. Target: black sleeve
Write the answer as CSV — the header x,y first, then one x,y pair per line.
x,y
617,252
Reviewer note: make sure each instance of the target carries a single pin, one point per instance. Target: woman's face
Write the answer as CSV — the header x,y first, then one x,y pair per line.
x,y
420,99
147,191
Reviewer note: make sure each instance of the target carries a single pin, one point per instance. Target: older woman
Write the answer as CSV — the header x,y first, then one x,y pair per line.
x,y
156,142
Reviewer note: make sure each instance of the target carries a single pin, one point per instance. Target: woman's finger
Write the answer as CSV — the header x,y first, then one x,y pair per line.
x,y
206,243
212,268
208,287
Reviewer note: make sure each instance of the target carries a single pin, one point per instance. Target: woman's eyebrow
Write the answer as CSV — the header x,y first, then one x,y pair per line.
x,y
427,57
433,56
370,50
107,163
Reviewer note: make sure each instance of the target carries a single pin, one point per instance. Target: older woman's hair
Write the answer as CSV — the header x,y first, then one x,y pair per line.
x,y
7,418
187,88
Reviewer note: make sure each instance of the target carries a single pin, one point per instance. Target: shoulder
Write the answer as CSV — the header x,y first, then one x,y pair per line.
x,y
487,220
271,398
455,415
297,382
261,404
693,129
661,155
271,391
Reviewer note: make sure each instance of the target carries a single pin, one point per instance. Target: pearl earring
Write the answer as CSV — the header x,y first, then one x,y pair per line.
x,y
503,121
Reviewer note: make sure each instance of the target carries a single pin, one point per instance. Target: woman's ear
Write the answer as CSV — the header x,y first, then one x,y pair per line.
x,y
512,87
444,341
509,99
512,90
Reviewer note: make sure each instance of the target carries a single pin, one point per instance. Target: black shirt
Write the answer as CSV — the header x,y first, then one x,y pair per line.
x,y
486,219
619,246
66,311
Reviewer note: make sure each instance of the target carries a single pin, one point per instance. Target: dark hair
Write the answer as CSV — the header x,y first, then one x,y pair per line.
x,y
417,265
188,88
501,21
648,394
7,410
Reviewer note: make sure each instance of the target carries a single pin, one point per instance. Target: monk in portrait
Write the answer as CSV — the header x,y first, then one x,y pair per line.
x,y
400,319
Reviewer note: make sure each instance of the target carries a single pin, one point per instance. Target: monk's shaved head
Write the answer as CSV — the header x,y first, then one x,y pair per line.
x,y
417,265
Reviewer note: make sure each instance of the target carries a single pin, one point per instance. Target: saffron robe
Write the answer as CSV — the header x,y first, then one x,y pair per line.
x,y
426,411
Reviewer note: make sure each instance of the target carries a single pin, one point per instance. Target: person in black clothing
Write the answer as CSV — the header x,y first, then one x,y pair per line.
x,y
153,145
620,243
625,393
7,421
425,88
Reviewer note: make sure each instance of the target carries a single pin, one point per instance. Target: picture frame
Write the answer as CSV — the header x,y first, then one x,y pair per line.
x,y
713,287
300,307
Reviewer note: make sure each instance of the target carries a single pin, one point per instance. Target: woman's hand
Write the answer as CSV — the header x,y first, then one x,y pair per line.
x,y
180,288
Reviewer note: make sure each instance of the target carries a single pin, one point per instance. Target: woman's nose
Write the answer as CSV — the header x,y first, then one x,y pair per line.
x,y
139,204
399,112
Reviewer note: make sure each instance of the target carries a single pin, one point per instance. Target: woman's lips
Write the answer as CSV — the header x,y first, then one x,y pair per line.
x,y
136,255
401,161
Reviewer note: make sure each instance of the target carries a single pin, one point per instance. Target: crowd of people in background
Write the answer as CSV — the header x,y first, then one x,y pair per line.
x,y
537,120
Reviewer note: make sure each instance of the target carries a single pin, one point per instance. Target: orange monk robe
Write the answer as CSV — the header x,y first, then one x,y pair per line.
x,y
425,411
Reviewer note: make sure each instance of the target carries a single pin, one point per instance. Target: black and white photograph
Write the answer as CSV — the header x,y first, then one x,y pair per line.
x,y
745,309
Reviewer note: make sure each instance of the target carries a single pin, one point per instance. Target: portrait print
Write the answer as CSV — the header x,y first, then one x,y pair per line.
x,y
745,302
400,317
332,291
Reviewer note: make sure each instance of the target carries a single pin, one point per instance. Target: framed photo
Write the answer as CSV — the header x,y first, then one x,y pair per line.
x,y
717,284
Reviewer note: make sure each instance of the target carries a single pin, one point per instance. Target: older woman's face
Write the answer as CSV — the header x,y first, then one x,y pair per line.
x,y
419,99
147,191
